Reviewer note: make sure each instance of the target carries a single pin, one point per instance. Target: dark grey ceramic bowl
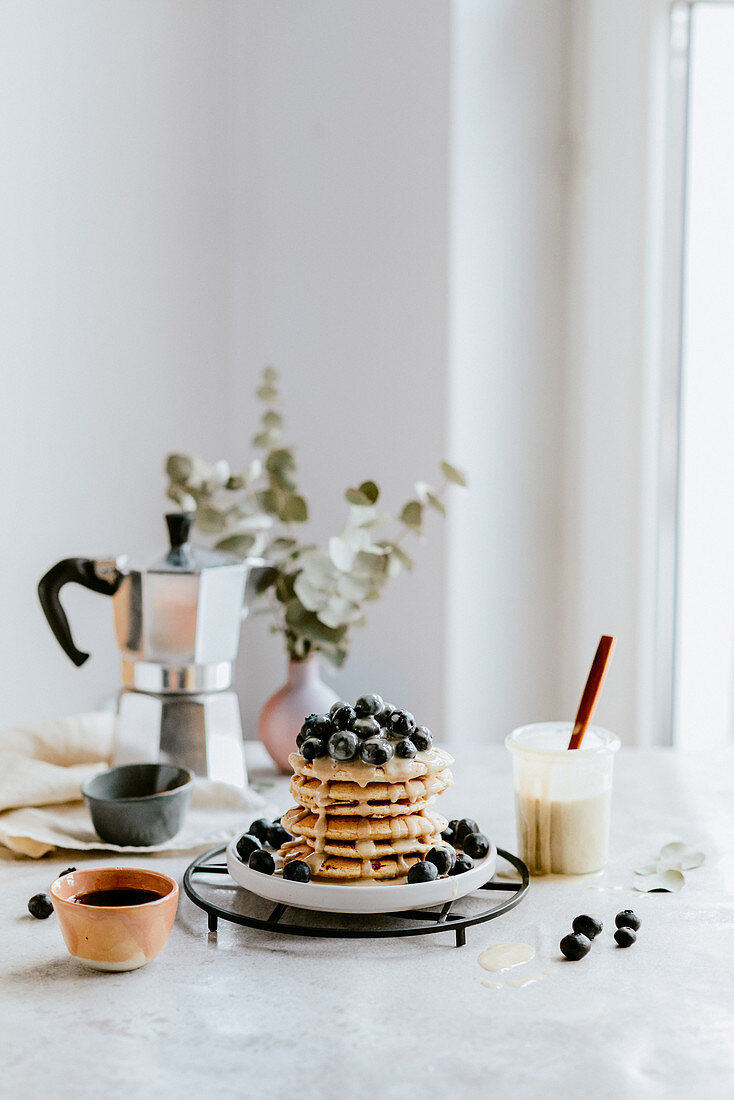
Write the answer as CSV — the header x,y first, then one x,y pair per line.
x,y
138,804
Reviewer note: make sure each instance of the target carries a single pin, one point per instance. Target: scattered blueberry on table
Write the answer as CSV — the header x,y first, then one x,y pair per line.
x,y
625,937
575,946
40,906
587,926
627,919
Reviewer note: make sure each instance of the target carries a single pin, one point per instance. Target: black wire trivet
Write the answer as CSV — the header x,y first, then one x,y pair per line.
x,y
425,921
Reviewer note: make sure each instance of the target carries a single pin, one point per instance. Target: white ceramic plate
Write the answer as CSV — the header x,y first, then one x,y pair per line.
x,y
344,898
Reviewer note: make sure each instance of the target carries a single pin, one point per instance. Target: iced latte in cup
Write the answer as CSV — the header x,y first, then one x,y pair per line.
x,y
562,797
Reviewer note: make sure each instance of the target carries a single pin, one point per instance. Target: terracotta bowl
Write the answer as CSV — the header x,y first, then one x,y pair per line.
x,y
120,937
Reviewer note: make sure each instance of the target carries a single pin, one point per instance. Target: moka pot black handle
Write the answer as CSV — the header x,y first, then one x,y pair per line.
x,y
79,571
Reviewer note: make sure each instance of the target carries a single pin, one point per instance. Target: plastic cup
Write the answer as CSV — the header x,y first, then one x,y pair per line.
x,y
562,797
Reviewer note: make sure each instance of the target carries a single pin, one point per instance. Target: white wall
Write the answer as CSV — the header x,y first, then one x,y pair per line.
x,y
505,598
113,213
339,239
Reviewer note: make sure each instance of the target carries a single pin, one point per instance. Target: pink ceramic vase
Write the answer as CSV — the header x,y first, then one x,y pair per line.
x,y
282,716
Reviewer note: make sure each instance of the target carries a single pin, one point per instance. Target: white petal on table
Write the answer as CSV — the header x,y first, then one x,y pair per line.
x,y
667,882
684,857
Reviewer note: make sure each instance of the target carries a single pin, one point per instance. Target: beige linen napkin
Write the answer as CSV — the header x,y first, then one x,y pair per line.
x,y
42,767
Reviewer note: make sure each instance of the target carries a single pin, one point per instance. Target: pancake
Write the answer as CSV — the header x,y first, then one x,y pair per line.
x,y
300,822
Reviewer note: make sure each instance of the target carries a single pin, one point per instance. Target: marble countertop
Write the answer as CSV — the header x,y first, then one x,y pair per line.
x,y
249,1014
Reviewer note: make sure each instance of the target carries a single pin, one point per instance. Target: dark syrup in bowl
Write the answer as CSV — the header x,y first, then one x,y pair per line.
x,y
119,895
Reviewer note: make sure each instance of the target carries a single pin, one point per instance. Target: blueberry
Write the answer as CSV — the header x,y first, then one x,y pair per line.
x,y
308,723
343,745
367,727
627,919
312,748
625,937
476,845
462,863
383,715
402,721
449,836
299,739
246,845
376,750
261,861
322,727
405,748
587,926
368,704
454,823
344,717
297,871
422,738
423,872
443,858
40,906
66,872
260,828
575,945
335,706
463,827
278,835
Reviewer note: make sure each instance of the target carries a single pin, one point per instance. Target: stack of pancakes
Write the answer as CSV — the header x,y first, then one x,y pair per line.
x,y
358,821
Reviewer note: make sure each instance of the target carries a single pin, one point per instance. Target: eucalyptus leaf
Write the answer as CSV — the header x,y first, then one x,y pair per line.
x,y
267,501
244,523
436,503
294,509
184,500
412,514
339,612
280,548
456,477
422,489
235,482
270,375
353,588
319,568
405,560
218,475
178,468
368,565
306,623
267,438
237,544
312,598
342,553
210,520
272,419
356,496
267,393
371,490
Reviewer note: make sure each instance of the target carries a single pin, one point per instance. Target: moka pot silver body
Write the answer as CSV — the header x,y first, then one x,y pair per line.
x,y
177,624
